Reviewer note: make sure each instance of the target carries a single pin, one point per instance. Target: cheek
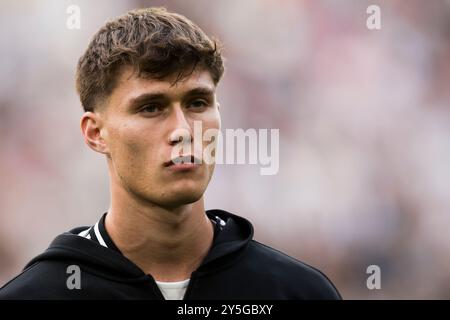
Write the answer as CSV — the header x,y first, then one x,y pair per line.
x,y
211,121
209,147
131,146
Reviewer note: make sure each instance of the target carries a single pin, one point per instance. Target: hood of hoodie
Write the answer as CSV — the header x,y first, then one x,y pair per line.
x,y
226,249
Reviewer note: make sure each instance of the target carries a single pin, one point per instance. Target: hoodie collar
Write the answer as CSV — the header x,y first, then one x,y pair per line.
x,y
227,246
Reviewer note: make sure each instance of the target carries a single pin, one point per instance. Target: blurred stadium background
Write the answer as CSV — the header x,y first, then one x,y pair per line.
x,y
364,119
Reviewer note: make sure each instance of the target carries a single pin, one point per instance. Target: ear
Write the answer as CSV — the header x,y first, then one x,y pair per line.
x,y
218,106
91,127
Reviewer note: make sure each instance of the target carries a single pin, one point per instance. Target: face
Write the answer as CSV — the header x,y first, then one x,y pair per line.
x,y
140,128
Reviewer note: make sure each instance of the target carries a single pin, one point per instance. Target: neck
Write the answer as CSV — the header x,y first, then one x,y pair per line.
x,y
169,244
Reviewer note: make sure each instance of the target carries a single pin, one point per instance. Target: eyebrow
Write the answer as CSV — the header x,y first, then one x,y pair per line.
x,y
145,97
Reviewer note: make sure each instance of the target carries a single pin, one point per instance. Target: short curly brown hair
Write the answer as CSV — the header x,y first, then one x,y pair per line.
x,y
155,42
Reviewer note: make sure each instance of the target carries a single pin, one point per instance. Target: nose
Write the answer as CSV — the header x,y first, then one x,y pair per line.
x,y
182,131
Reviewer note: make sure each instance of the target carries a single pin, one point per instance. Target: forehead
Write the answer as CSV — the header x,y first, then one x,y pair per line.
x,y
129,86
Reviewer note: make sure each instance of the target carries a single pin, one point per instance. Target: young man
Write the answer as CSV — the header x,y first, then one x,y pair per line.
x,y
144,80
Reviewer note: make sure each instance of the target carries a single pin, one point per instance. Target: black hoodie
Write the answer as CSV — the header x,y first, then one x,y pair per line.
x,y
236,267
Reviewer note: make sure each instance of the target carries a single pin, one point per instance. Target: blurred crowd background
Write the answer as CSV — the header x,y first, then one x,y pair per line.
x,y
364,120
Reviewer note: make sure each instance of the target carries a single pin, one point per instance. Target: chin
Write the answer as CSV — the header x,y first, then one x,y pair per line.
x,y
187,195
181,195
180,200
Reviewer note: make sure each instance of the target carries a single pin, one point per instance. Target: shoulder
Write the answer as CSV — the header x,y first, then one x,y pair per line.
x,y
306,281
42,280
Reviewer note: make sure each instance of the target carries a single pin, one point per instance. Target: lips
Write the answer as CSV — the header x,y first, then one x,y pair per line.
x,y
190,159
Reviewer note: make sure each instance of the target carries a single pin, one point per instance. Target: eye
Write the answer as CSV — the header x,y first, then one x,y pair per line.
x,y
151,109
198,104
